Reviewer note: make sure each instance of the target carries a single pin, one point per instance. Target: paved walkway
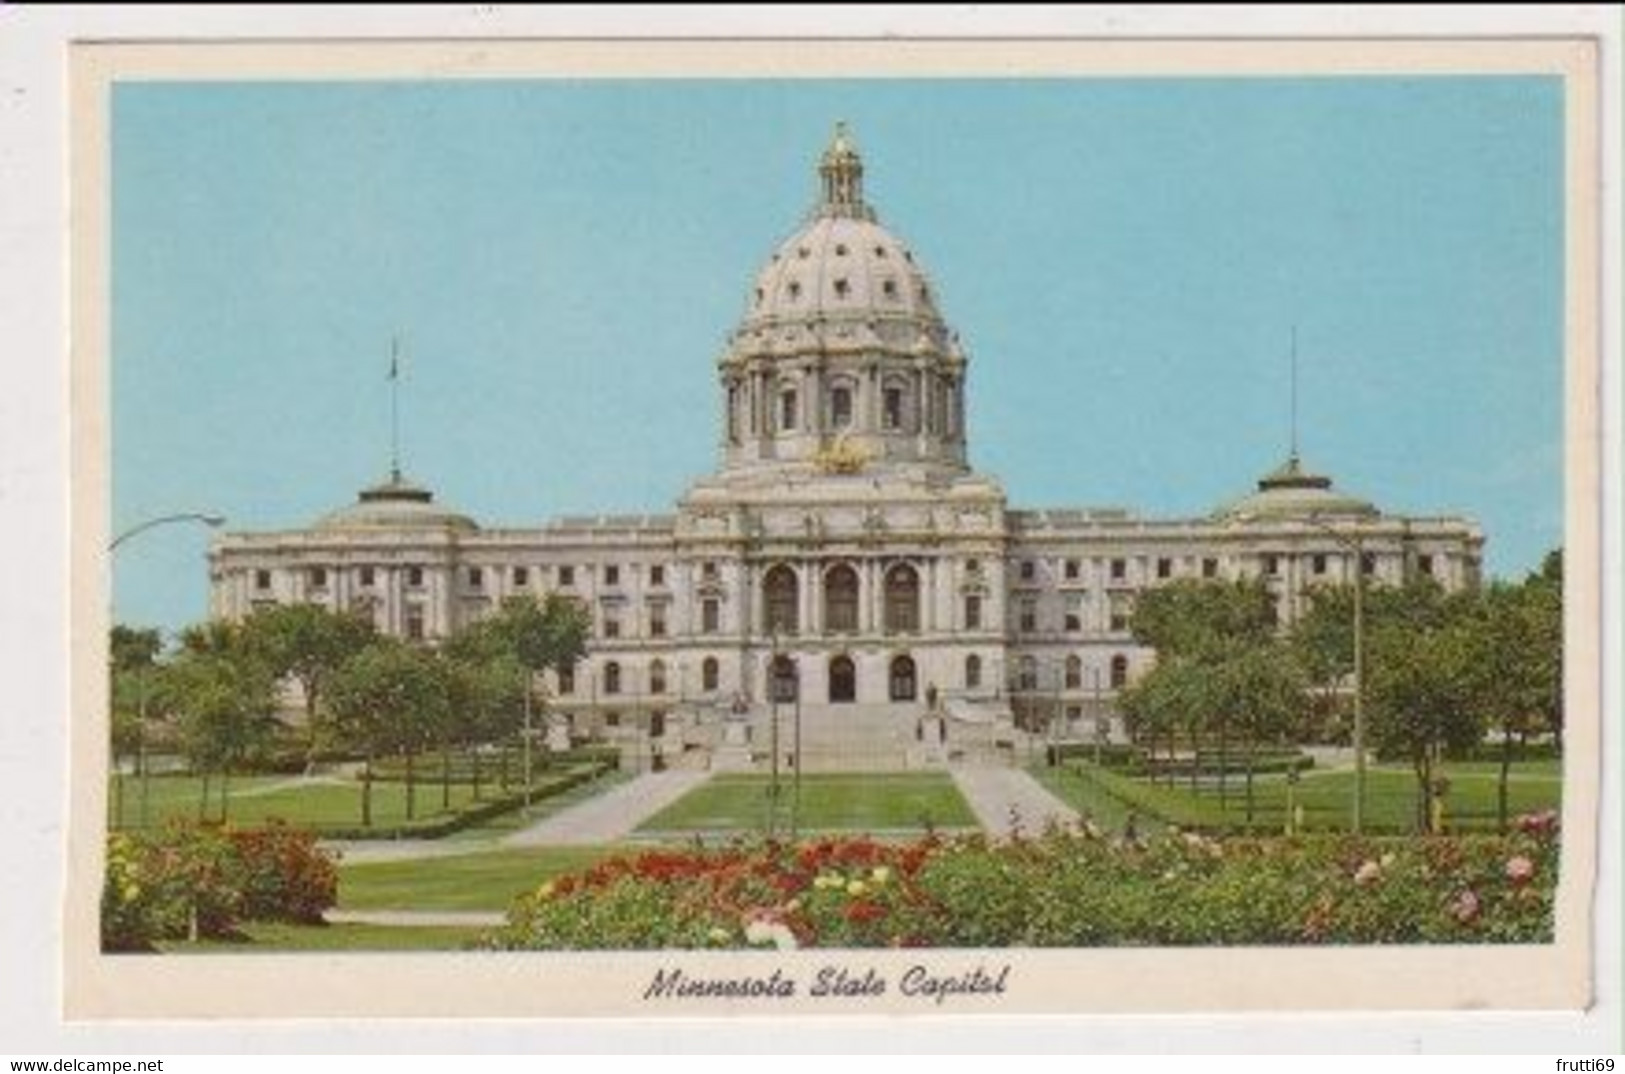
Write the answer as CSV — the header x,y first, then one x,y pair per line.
x,y
998,795
415,918
610,816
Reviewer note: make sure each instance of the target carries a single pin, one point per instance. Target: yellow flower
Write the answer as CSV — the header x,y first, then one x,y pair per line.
x,y
719,935
856,887
545,891
881,874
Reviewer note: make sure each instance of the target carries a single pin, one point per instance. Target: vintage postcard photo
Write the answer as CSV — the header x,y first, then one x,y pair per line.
x,y
781,527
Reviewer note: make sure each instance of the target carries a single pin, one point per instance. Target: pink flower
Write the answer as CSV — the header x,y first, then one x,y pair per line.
x,y
1367,874
1519,870
1464,908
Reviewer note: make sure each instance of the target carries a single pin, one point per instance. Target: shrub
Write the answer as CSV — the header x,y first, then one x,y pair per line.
x,y
1066,888
200,880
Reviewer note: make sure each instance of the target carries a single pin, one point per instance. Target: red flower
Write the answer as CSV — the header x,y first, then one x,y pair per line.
x,y
863,911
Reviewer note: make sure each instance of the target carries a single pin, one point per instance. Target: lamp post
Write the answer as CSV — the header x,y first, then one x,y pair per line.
x,y
212,521
1355,545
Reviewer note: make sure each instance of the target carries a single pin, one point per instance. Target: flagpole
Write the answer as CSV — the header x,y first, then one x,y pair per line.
x,y
395,409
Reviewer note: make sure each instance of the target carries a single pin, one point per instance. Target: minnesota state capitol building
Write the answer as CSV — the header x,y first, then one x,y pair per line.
x,y
844,568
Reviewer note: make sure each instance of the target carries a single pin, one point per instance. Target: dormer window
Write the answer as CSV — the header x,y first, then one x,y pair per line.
x,y
795,290
889,288
842,288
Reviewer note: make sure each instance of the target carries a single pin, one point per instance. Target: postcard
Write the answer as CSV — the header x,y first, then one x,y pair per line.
x,y
752,528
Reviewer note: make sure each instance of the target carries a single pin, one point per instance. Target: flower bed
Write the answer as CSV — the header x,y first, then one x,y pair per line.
x,y
192,880
1071,888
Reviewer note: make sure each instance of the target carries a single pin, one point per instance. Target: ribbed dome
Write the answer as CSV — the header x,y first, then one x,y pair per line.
x,y
843,280
1289,491
396,504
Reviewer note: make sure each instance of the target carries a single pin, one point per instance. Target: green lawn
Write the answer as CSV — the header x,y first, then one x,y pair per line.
x,y
870,802
484,880
1326,797
1074,785
322,800
262,936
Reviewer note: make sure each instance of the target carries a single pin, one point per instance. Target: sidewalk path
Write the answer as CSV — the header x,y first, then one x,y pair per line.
x,y
415,918
612,815
993,793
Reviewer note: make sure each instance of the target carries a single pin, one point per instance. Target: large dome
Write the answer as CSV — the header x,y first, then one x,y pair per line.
x,y
842,359
1291,492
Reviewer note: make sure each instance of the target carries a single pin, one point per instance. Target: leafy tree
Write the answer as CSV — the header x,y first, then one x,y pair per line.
x,y
133,664
1517,637
225,698
1420,679
390,698
308,643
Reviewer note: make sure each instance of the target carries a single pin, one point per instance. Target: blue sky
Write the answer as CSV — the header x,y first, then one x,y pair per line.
x,y
1124,259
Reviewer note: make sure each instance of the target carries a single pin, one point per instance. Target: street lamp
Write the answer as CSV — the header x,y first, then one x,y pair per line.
x,y
212,521
1356,546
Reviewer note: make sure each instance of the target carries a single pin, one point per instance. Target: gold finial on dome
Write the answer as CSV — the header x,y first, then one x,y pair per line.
x,y
841,172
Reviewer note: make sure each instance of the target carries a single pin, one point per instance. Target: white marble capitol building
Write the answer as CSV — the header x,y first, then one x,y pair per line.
x,y
844,554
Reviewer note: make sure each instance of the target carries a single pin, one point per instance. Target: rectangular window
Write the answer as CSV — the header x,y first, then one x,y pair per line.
x,y
710,616
1119,569
1424,563
1210,568
612,626
521,577
414,577
1165,568
567,681
1074,622
476,578
367,576
657,575
708,571
1029,570
892,400
318,577
1272,565
973,612
1368,563
1072,570
414,622
657,620
567,576
1318,563
787,411
612,575
1029,617
262,579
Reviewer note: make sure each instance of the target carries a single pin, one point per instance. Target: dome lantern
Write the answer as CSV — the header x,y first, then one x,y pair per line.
x,y
841,172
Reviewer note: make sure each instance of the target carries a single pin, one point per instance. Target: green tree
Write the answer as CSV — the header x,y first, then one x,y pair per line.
x,y
1517,666
1420,679
133,666
308,643
224,697
390,698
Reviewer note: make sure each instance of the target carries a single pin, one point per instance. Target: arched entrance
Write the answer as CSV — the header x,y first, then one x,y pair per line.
x,y
843,680
903,679
782,682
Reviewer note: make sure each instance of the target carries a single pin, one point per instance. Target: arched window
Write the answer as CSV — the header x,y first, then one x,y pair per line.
x,y
1119,671
782,684
787,410
904,681
843,680
841,599
612,678
840,406
973,671
1074,672
710,673
1027,673
902,600
657,676
782,600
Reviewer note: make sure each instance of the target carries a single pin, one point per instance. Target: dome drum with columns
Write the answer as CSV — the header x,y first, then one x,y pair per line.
x,y
844,554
